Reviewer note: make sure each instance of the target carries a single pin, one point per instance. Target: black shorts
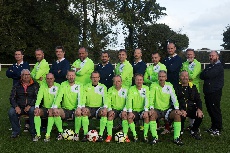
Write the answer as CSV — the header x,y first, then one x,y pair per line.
x,y
117,113
163,114
138,115
93,112
45,112
68,113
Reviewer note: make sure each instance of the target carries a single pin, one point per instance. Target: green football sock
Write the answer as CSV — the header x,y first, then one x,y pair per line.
x,y
125,126
77,124
153,128
146,129
110,127
132,128
58,123
37,122
85,124
103,122
50,125
177,129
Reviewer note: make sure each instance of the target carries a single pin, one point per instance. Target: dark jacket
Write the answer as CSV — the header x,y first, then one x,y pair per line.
x,y
23,97
188,98
173,65
213,76
64,66
14,71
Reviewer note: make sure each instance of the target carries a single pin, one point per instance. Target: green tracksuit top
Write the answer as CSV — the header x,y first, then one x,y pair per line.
x,y
194,70
40,70
160,96
47,94
70,96
151,73
117,99
95,96
138,100
86,68
126,71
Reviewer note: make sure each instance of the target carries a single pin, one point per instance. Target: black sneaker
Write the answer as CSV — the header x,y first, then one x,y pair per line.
x,y
84,139
210,130
59,137
178,141
196,135
14,136
215,133
146,140
136,139
100,139
155,140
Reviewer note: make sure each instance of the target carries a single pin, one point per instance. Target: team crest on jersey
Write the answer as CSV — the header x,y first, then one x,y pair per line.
x,y
191,66
156,68
83,63
122,93
166,89
142,92
53,90
99,90
75,88
121,67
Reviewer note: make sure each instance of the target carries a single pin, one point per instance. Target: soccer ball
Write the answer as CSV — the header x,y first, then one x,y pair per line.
x,y
120,137
92,135
68,134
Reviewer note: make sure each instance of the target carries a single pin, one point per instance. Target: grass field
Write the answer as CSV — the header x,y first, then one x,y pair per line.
x,y
24,143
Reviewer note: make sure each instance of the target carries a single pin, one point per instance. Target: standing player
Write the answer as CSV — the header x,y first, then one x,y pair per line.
x,y
138,65
71,97
160,94
95,105
117,96
124,68
48,92
105,70
173,64
138,105
61,66
151,73
14,71
41,68
83,66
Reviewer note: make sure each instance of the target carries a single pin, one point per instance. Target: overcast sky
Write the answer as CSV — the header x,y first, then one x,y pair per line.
x,y
203,21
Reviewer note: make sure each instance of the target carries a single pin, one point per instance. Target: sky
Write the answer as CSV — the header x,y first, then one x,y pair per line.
x,y
203,21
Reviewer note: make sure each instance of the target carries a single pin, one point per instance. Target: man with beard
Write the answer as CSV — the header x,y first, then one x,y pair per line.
x,y
105,70
213,76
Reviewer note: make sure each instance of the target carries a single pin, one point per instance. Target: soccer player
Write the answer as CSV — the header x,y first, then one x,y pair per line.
x,y
61,66
41,68
137,106
117,96
70,96
95,105
190,104
213,76
138,65
124,68
83,66
48,92
151,73
160,94
105,70
193,67
22,99
14,71
173,64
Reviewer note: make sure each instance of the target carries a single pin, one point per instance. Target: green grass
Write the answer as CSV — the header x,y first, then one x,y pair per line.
x,y
24,143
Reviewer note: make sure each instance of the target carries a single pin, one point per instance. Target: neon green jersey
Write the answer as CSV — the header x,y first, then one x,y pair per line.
x,y
117,99
40,70
95,96
194,70
126,71
138,100
47,94
151,73
86,68
160,96
70,96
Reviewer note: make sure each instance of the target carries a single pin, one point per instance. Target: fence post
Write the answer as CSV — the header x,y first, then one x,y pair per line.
x,y
0,67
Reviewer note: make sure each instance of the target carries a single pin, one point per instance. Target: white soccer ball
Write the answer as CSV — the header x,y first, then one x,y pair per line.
x,y
120,137
92,135
68,134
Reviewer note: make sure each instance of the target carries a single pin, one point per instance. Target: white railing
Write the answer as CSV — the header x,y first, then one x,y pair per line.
x,y
203,64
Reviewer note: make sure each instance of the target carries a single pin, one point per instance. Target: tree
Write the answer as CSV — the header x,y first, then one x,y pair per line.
x,y
226,45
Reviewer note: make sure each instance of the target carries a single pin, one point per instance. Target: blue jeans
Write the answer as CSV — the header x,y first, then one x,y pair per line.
x,y
14,120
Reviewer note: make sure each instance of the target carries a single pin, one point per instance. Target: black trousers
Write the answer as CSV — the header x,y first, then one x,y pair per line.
x,y
212,101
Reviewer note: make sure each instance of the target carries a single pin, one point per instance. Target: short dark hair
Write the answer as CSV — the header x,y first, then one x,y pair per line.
x,y
19,50
94,72
71,71
190,49
60,47
139,49
83,48
39,49
122,50
153,53
138,74
105,52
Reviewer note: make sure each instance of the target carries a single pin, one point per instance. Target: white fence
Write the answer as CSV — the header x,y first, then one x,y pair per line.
x,y
203,64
